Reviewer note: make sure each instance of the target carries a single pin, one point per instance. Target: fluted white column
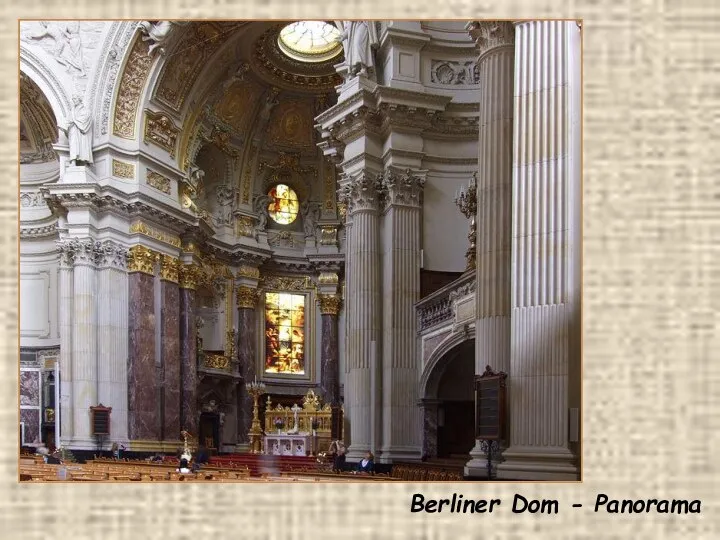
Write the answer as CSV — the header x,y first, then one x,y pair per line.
x,y
112,332
495,41
65,323
545,345
401,417
362,196
84,341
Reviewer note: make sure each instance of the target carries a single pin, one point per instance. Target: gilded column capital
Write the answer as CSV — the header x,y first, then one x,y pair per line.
x,y
247,271
188,275
247,297
328,278
170,269
329,304
141,259
490,35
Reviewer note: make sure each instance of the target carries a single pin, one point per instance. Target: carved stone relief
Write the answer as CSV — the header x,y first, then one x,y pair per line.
x,y
158,181
451,72
131,84
161,131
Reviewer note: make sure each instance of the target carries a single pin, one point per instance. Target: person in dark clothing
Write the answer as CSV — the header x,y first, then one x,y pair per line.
x,y
367,465
337,450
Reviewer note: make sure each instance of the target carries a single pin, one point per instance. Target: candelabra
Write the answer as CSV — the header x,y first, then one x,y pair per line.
x,y
255,389
466,201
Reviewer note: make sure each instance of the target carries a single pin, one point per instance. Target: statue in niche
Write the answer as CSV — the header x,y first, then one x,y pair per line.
x,y
359,39
310,213
79,133
270,101
158,32
68,45
225,199
260,206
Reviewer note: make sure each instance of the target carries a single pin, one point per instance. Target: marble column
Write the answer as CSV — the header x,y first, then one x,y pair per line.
x,y
495,41
247,299
170,346
401,419
84,341
143,421
188,349
430,427
65,324
112,332
330,362
545,329
362,194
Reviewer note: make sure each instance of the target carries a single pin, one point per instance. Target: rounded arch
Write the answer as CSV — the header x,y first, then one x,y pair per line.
x,y
431,376
34,68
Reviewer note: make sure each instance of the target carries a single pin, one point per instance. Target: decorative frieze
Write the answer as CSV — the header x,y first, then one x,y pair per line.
x,y
161,131
453,72
329,304
248,271
32,200
169,268
121,169
328,235
247,177
286,283
132,83
328,278
245,226
247,297
142,259
157,181
139,227
217,361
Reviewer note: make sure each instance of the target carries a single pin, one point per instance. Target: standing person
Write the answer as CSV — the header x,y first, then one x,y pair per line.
x,y
337,449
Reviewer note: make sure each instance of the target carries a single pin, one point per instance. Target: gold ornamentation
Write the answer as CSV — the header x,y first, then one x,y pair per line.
x,y
237,100
141,228
247,178
217,361
131,84
248,272
230,349
141,259
284,283
161,131
466,201
342,210
158,181
311,410
188,275
291,125
247,297
328,278
244,226
169,268
191,248
328,236
122,169
330,188
220,137
329,304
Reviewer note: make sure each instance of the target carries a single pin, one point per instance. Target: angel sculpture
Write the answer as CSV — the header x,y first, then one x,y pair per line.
x,y
158,32
260,205
310,212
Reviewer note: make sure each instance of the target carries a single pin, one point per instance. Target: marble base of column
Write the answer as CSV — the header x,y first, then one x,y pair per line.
x,y
143,421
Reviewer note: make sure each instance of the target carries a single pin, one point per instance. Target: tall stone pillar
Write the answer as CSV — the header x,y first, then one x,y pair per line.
x,y
66,297
170,346
362,195
430,427
84,341
401,418
545,334
143,421
112,332
330,367
495,42
188,349
247,298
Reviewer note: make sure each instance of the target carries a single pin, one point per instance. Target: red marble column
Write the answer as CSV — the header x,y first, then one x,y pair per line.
x,y
170,339
143,421
330,369
188,350
247,338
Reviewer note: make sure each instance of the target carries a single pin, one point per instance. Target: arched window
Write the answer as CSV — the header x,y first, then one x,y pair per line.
x,y
284,206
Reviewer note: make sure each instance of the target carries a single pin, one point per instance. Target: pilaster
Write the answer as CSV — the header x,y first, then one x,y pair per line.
x,y
187,282
330,368
170,346
66,287
247,299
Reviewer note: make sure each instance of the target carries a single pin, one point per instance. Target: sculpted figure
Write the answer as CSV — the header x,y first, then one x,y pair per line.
x,y
359,40
261,207
79,133
68,46
158,32
309,212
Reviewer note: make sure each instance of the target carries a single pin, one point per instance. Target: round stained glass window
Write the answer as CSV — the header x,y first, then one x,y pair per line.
x,y
283,207
310,41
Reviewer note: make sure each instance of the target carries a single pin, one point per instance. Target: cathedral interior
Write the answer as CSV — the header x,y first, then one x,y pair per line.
x,y
246,232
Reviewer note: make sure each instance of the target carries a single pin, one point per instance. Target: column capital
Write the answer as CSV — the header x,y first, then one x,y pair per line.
x,y
362,192
247,297
329,304
170,269
404,187
188,275
79,251
491,35
112,255
142,259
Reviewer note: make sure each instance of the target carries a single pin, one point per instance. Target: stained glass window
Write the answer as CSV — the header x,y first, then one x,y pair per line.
x,y
283,207
284,333
310,41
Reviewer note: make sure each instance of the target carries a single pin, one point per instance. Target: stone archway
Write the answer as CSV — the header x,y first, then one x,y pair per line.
x,y
447,403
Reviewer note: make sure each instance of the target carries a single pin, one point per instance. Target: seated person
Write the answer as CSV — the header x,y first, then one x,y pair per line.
x,y
157,458
184,466
53,459
367,465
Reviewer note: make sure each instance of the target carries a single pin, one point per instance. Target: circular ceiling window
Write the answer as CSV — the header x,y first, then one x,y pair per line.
x,y
283,207
310,41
